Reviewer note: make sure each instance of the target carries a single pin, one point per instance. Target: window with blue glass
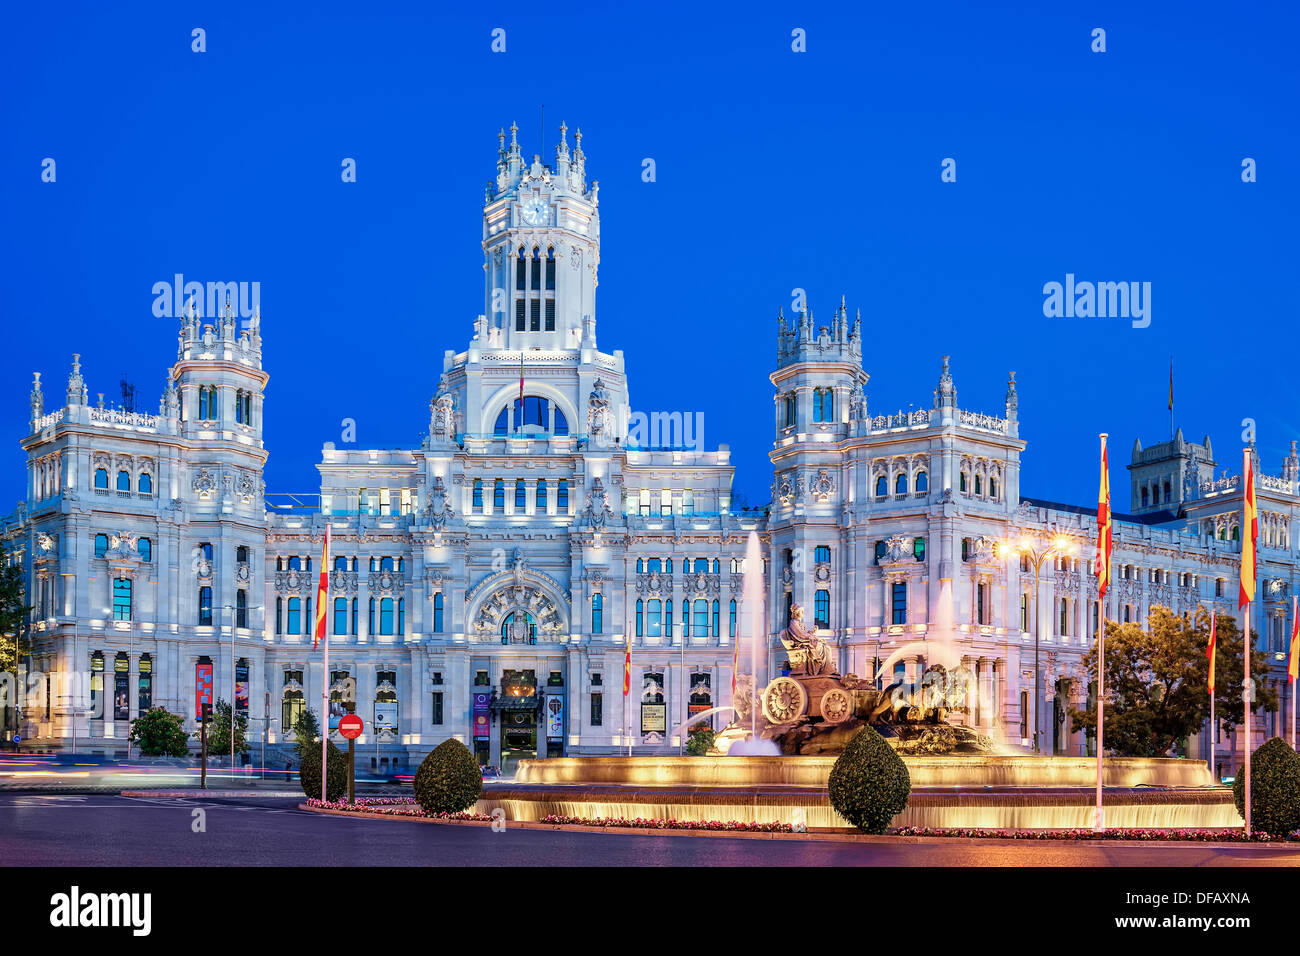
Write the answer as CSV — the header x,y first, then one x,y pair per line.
x,y
541,494
899,601
701,623
293,623
205,606
478,494
122,599
123,481
437,613
241,608
499,495
521,495
653,618
340,616
598,613
101,545
144,484
822,609
101,479
562,496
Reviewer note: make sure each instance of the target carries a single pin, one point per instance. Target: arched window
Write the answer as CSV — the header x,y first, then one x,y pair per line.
x,y
964,486
521,495
900,484
653,618
437,613
654,566
640,566
817,405
499,495
716,566
562,496
731,619
123,481
550,278
341,564
882,486
791,411
101,479
521,272
341,616
295,564
922,483
502,427
241,554
385,564
700,627
993,487
1168,495
144,484
506,636
205,606
478,495
144,547
561,423
701,565
293,624
1146,497
979,485
541,496
598,613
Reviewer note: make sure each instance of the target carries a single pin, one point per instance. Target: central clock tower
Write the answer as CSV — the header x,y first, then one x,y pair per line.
x,y
541,248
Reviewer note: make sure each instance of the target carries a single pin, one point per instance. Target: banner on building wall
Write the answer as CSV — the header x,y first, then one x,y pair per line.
x,y
554,717
121,689
482,716
202,688
654,718
241,687
386,718
693,709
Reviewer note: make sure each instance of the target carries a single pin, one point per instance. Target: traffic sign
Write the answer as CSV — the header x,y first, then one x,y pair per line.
x,y
350,726
17,739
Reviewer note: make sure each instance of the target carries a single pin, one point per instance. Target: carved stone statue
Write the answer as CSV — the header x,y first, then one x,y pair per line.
x,y
442,415
598,429
809,654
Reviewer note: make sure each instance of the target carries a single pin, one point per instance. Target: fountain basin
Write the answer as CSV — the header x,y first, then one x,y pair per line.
x,y
927,772
967,791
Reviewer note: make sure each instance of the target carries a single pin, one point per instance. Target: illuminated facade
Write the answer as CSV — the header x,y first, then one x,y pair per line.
x,y
484,584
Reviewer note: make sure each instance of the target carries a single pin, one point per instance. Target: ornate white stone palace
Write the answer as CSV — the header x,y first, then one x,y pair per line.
x,y
484,583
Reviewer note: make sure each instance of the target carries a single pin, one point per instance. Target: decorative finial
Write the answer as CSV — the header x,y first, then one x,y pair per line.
x,y
514,139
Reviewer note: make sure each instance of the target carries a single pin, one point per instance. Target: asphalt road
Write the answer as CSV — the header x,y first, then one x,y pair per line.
x,y
101,830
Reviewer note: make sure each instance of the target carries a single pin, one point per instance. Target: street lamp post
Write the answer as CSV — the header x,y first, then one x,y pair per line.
x,y
1036,551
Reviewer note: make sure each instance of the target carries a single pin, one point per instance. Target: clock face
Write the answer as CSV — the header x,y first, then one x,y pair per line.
x,y
535,212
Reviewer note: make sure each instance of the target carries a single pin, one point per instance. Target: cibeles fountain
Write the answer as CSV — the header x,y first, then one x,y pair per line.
x,y
772,760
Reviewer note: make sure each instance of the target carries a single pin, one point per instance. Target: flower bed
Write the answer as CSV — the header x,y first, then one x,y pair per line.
x,y
393,807
1192,835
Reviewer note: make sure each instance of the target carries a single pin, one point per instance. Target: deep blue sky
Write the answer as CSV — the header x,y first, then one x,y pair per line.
x,y
776,170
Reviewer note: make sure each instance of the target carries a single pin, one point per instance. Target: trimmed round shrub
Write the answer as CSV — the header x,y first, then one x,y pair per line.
x,y
869,783
1274,788
309,772
449,779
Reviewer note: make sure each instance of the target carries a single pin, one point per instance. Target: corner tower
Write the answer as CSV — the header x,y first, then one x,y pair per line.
x,y
541,247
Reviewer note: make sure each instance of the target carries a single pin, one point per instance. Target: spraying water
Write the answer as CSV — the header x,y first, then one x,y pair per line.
x,y
753,624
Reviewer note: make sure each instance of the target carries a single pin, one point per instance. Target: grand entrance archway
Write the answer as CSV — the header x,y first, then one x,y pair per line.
x,y
518,714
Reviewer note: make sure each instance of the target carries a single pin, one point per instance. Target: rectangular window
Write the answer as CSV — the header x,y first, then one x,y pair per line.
x,y
550,274
435,712
122,599
822,609
562,496
519,315
550,315
1024,614
535,315
205,606
822,554
597,709
899,615
499,495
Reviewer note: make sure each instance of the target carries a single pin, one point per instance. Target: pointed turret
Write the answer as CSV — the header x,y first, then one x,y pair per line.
x,y
77,394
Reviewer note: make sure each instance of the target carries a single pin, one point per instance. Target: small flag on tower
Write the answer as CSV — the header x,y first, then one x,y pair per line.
x,y
322,591
1250,534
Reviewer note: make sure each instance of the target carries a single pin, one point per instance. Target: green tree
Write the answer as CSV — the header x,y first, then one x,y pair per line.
x,y
1157,679
14,613
160,734
306,731
219,731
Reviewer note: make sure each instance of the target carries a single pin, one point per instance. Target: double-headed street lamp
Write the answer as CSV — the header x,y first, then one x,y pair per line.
x,y
1036,550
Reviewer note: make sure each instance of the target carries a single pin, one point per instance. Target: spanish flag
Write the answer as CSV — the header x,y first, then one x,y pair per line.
x,y
627,667
1249,533
1103,525
1293,667
1209,651
322,591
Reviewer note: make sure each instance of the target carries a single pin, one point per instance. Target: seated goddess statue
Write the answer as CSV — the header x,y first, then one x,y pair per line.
x,y
810,656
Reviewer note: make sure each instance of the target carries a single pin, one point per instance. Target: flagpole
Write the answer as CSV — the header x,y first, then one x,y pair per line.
x,y
1291,664
322,600
1246,693
1101,706
1102,570
1247,541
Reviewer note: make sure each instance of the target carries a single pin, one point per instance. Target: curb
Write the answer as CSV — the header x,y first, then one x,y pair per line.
x,y
211,793
825,836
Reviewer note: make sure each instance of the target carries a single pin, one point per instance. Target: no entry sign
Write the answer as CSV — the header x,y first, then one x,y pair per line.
x,y
350,726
